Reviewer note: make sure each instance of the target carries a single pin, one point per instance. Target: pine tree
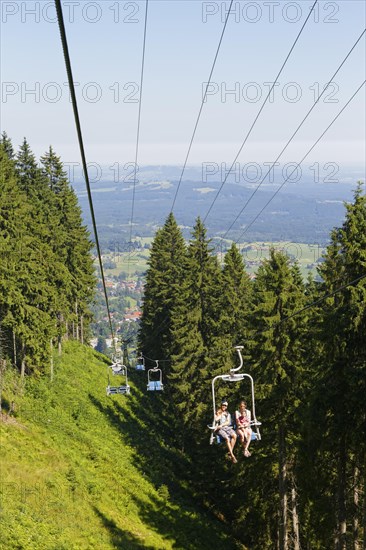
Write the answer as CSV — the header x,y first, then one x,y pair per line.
x,y
53,171
14,214
27,170
7,145
195,328
71,241
343,377
46,266
236,296
234,308
164,279
27,293
277,349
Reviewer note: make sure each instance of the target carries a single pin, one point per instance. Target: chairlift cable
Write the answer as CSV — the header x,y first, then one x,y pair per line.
x,y
65,48
201,107
154,360
316,302
312,304
260,110
301,161
137,135
163,323
293,135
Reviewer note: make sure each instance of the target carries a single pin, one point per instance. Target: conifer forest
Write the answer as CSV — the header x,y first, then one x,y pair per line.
x,y
304,344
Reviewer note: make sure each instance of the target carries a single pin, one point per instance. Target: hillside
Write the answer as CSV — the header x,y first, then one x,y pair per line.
x,y
80,470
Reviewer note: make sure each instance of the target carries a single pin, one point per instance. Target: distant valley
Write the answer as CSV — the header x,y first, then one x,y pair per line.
x,y
304,211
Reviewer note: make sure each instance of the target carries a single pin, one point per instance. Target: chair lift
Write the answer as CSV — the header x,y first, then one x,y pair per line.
x,y
140,365
157,384
117,357
118,369
235,376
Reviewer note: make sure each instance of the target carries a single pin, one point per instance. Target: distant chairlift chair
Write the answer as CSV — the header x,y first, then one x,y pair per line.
x,y
118,369
140,363
153,383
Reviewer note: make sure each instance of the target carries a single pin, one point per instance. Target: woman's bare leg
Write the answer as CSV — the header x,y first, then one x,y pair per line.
x,y
230,447
248,435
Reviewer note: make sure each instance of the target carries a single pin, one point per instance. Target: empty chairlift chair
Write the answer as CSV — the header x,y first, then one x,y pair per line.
x,y
118,369
140,365
155,378
122,390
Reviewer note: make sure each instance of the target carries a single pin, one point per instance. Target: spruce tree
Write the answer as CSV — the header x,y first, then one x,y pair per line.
x,y
233,310
277,349
342,381
71,240
236,296
164,279
26,306
53,171
27,170
7,145
194,330
46,274
14,215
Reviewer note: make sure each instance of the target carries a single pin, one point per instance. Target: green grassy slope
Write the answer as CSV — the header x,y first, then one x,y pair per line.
x,y
80,470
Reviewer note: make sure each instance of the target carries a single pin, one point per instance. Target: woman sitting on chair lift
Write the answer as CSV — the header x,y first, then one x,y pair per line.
x,y
225,430
243,429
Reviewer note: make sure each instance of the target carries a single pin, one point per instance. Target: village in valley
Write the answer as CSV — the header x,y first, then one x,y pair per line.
x,y
125,291
125,279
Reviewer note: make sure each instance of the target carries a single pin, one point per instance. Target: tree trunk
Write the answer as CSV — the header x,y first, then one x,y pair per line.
x,y
22,367
282,482
295,517
51,360
82,329
59,337
14,350
342,491
364,502
76,322
355,522
2,372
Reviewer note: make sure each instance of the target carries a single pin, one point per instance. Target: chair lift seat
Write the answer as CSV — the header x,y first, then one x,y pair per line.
x,y
253,437
114,390
154,385
118,369
140,366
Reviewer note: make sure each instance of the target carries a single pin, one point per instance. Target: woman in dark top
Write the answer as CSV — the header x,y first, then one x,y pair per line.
x,y
225,430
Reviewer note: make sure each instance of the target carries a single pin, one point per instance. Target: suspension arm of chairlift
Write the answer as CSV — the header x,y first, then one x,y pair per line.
x,y
238,349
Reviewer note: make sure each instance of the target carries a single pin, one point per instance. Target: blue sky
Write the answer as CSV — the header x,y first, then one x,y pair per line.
x,y
105,41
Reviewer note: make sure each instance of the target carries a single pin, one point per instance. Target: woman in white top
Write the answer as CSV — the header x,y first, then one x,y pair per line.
x,y
243,429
